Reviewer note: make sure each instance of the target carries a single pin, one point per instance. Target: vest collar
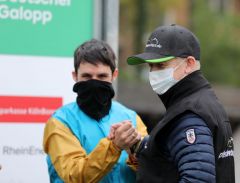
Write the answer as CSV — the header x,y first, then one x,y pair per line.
x,y
188,85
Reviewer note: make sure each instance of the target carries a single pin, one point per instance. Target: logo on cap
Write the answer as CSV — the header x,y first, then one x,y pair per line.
x,y
190,134
153,43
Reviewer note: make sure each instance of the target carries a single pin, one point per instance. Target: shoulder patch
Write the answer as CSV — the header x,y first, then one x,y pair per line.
x,y
190,135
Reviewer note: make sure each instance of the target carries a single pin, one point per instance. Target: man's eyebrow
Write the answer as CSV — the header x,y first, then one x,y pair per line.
x,y
104,74
85,74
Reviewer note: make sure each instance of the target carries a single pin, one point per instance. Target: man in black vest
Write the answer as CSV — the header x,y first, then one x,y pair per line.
x,y
193,141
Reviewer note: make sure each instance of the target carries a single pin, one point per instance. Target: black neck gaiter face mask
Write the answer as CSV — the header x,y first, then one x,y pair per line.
x,y
94,97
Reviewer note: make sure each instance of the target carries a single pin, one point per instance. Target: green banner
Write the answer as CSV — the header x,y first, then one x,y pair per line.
x,y
44,27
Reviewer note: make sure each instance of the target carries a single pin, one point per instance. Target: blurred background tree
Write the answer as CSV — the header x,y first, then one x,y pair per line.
x,y
218,32
216,23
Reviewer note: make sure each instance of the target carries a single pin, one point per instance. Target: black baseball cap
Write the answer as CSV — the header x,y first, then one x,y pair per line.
x,y
166,43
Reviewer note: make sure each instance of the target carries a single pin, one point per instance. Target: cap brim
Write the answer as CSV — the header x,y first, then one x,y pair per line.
x,y
147,58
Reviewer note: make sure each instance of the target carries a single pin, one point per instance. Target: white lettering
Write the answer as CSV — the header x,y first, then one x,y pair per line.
x,y
47,17
41,2
26,111
37,16
154,45
34,16
40,111
62,2
3,12
22,1
27,14
46,2
225,154
14,111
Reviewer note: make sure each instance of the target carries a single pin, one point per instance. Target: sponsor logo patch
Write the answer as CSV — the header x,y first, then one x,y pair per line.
x,y
190,135
153,43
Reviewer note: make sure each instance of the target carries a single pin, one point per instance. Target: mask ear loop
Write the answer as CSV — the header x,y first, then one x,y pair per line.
x,y
175,68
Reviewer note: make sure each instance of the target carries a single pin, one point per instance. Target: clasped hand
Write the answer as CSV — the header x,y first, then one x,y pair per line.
x,y
124,135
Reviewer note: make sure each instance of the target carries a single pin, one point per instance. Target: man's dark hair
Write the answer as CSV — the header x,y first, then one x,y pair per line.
x,y
94,52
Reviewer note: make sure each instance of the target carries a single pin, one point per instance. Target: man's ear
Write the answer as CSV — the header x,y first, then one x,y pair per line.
x,y
74,76
191,63
115,74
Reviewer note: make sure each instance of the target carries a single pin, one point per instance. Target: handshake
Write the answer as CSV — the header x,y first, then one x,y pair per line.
x,y
124,136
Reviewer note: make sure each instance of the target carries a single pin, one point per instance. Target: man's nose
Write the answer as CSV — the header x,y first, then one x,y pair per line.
x,y
95,77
